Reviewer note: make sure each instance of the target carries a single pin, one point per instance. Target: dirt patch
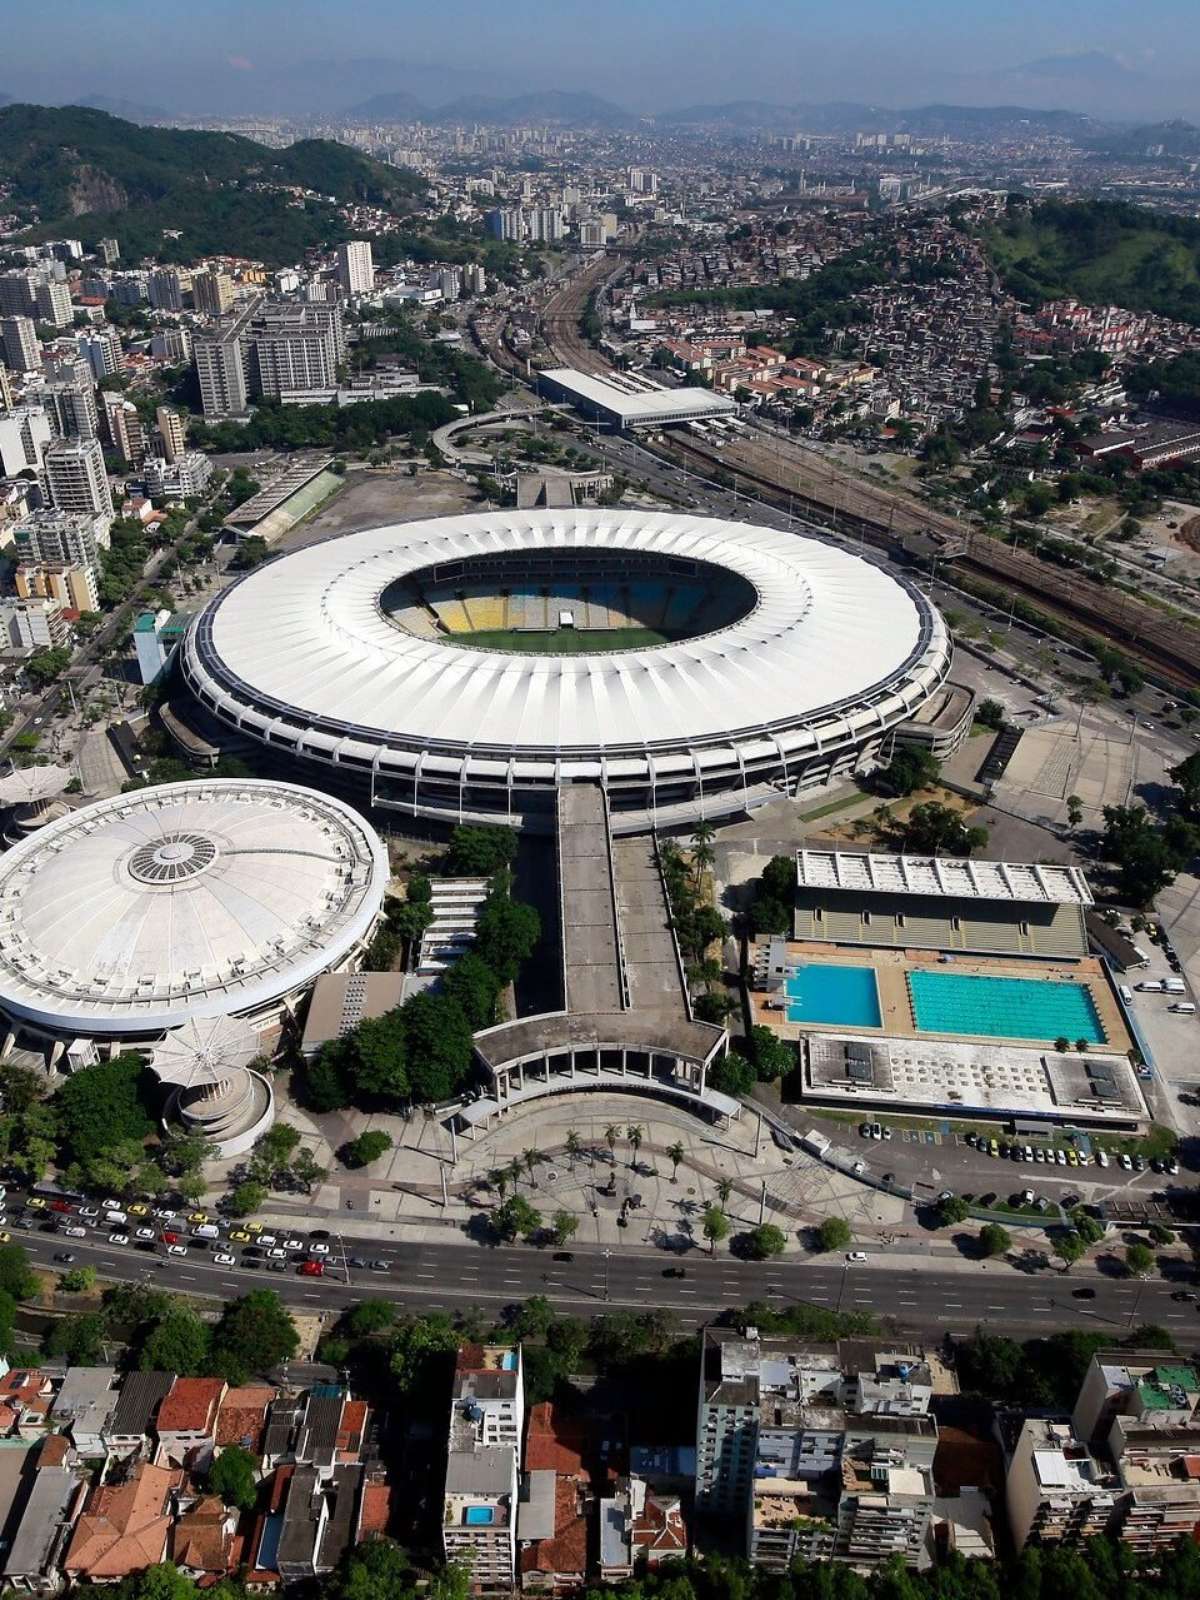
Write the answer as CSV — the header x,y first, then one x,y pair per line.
x,y
1189,534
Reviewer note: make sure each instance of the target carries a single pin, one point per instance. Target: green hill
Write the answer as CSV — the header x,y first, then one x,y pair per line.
x,y
79,169
1100,252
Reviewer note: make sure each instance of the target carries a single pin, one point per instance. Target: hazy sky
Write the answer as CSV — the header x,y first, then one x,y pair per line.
x,y
231,55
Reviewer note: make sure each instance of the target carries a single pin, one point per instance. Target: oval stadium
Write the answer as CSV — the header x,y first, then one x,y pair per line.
x,y
466,668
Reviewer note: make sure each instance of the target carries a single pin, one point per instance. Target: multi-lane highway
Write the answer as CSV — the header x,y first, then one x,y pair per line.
x,y
587,1282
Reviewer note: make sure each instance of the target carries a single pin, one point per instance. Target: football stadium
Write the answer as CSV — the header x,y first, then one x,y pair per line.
x,y
468,668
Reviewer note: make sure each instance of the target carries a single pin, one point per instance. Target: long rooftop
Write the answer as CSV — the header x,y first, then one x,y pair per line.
x,y
1016,882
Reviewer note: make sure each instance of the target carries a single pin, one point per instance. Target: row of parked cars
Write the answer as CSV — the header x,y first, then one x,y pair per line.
x,y
168,1233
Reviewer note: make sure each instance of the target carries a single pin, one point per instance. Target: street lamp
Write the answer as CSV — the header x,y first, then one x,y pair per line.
x,y
607,1253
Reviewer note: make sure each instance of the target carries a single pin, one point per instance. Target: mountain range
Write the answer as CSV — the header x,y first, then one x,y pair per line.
x,y
568,107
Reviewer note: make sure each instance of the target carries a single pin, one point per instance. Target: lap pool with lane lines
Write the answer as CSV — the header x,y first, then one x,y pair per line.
x,y
1003,1008
846,997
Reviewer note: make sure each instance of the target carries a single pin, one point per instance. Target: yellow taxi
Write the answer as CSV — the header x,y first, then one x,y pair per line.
x,y
240,1235
198,1216
5,1238
253,1227
36,1203
138,1209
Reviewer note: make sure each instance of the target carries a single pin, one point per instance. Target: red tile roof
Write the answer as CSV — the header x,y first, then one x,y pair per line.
x,y
376,1511
243,1416
554,1442
567,1551
351,1429
124,1526
191,1406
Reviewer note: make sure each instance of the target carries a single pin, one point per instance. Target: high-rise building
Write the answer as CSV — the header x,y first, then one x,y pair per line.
x,y
170,431
355,268
222,356
19,343
212,292
57,554
643,181
130,288
18,292
822,1452
7,397
479,1511
53,302
165,289
187,475
31,624
125,431
171,344
102,348
72,409
506,222
546,225
76,477
25,436
110,252
296,348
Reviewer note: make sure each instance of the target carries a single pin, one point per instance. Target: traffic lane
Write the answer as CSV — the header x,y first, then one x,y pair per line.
x,y
423,1276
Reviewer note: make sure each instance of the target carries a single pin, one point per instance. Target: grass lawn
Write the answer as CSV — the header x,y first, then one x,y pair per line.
x,y
560,641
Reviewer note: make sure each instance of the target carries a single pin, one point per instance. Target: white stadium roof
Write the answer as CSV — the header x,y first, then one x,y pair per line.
x,y
638,402
301,652
201,899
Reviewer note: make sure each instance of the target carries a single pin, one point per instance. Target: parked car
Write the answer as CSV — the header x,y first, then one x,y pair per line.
x,y
312,1269
224,1259
856,1255
177,1250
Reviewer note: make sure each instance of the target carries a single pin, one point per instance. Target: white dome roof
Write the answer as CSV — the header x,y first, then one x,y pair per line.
x,y
187,900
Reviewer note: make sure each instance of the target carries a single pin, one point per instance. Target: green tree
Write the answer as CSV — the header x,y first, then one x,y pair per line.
x,y
564,1225
715,1226
1147,858
611,1134
474,985
17,1277
990,714
834,1233
439,1044
178,1342
369,1146
233,1476
765,1241
911,768
103,1107
1074,811
506,933
953,1211
420,1350
1139,1259
1086,1226
529,1160
573,1145
370,1316
478,852
1161,1235
1069,1248
245,1198
732,1074
772,1056
675,1154
936,829
78,1280
1187,775
377,1569
635,1134
79,1340
254,1334
994,1240
515,1216
724,1190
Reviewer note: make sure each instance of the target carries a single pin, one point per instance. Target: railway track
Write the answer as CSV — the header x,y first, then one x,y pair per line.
x,y
1167,646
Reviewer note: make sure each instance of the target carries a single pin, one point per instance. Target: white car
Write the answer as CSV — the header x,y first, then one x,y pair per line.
x,y
266,1239
89,1211
76,1233
293,1244
318,1249
165,1214
856,1255
118,1238
145,1233
177,1249
1125,1163
277,1254
224,1259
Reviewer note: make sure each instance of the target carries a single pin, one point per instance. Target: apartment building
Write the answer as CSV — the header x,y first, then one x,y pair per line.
x,y
52,302
355,268
71,408
25,436
102,350
296,348
171,431
825,1451
187,475
1056,1490
487,1413
222,356
19,344
76,477
212,292
164,288
33,624
125,431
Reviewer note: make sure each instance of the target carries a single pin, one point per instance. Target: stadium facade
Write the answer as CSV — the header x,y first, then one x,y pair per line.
x,y
468,668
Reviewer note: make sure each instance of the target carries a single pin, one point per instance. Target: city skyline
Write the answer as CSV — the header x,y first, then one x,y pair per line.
x,y
225,60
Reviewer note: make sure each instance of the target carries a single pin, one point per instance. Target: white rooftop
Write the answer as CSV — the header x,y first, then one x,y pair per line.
x,y
201,899
943,876
642,402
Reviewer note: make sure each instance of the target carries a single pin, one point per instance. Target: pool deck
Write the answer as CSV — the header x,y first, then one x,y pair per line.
x,y
891,968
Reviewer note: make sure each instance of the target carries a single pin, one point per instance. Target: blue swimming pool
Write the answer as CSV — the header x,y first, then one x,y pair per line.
x,y
845,996
1003,1008
478,1516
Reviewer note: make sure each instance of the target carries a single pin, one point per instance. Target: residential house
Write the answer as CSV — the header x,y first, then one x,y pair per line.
x,y
320,1520
128,1431
26,1396
187,1418
54,1496
205,1542
242,1418
635,1524
83,1406
125,1527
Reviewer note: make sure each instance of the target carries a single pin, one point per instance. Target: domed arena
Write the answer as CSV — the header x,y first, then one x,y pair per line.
x,y
466,668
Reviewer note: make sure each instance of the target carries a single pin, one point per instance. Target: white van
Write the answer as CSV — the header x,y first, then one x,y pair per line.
x,y
1151,986
1184,1008
1126,994
115,1219
1143,960
1174,986
206,1231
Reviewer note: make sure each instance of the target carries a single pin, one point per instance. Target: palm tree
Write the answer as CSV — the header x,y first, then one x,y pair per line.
x,y
675,1154
514,1171
634,1134
531,1158
574,1145
498,1178
724,1190
715,1227
611,1134
702,852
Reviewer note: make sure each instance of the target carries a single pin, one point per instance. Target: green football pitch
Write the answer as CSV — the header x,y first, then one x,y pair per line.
x,y
560,641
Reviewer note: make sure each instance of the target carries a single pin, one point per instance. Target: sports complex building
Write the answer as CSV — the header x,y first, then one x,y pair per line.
x,y
470,668
952,988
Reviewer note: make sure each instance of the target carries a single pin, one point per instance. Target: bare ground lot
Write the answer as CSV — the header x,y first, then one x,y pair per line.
x,y
373,497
